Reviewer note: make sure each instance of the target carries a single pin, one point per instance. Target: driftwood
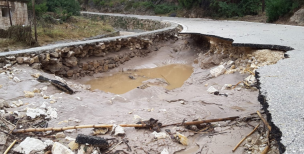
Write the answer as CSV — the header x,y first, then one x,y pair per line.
x,y
264,121
8,149
202,121
246,137
265,150
73,127
122,125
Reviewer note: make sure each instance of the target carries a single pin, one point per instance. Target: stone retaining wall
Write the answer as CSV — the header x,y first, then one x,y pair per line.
x,y
78,59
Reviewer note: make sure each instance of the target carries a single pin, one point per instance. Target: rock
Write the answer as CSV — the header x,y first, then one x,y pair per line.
x,y
54,54
298,17
218,71
19,60
51,113
70,131
118,130
48,142
60,135
30,145
160,135
11,57
70,73
29,94
36,90
16,79
78,98
137,118
227,87
28,60
36,66
181,138
71,61
212,90
84,149
73,145
3,103
33,113
61,149
251,80
7,66
165,151
70,54
36,59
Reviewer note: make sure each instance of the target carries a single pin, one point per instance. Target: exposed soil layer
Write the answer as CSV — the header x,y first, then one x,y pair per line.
x,y
191,101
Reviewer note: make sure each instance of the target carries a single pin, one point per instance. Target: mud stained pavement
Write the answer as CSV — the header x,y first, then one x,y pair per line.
x,y
191,101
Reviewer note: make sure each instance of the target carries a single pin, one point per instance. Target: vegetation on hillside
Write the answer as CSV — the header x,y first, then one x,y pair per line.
x,y
212,8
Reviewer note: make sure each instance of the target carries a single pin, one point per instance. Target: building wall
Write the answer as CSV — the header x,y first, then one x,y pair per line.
x,y
18,12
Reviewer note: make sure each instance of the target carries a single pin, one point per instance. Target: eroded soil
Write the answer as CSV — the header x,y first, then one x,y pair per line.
x,y
191,101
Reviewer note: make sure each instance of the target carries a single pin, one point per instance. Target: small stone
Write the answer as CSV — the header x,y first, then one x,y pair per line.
x,y
36,66
60,149
70,131
77,120
182,102
33,113
11,57
60,135
118,130
36,90
73,145
78,98
29,94
46,97
19,60
44,88
48,142
218,71
36,75
29,145
16,79
212,90
238,89
227,87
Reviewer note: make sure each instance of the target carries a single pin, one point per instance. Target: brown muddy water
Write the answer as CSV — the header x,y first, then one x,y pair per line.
x,y
174,76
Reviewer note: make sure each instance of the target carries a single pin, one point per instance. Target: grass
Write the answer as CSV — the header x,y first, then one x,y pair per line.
x,y
76,28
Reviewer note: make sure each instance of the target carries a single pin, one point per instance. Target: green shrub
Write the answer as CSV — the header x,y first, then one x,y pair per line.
x,y
277,8
188,3
40,8
164,8
64,8
245,7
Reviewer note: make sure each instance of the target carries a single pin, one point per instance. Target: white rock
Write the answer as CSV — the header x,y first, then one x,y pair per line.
x,y
2,112
44,88
162,110
17,113
78,98
77,120
95,152
29,145
70,131
33,113
165,151
61,149
118,130
69,139
16,79
211,90
60,135
159,135
48,142
52,112
218,71
43,106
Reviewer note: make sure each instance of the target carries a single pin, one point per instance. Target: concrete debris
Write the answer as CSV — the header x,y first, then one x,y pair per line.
x,y
219,70
73,145
160,135
16,79
30,145
3,138
61,149
60,135
212,90
52,113
118,130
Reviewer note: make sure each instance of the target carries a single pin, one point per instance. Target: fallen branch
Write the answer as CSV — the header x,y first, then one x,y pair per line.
x,y
203,121
264,121
73,127
246,137
236,85
8,149
122,125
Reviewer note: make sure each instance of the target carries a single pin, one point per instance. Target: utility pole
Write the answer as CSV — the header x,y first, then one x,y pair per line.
x,y
9,12
35,24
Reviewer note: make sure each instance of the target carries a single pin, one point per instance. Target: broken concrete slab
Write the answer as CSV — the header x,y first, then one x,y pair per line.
x,y
59,148
30,145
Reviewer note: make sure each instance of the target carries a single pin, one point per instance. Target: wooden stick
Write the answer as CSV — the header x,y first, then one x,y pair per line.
x,y
73,127
264,121
265,150
203,121
245,137
8,149
236,85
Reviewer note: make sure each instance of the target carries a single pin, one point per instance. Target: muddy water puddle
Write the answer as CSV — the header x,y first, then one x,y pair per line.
x,y
169,76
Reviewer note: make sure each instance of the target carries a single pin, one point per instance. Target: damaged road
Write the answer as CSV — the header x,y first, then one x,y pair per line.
x,y
221,90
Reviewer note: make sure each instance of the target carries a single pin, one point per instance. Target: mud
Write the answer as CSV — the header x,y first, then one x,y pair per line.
x,y
190,101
